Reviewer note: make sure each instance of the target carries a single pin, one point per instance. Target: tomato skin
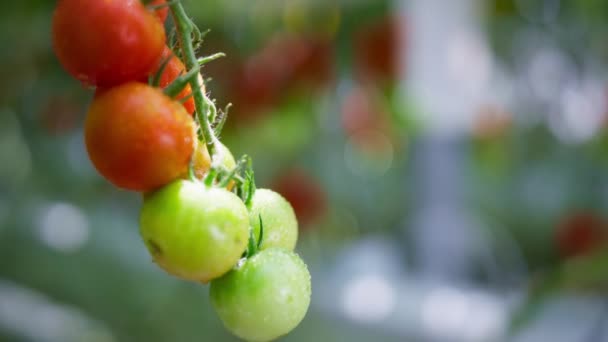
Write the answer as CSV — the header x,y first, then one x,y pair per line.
x,y
228,161
138,138
265,297
106,43
202,161
162,12
194,232
172,70
278,218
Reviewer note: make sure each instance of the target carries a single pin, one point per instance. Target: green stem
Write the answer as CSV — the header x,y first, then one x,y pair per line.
x,y
191,171
173,89
207,59
184,28
155,81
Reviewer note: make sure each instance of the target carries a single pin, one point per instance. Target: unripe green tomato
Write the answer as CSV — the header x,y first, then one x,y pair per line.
x,y
265,297
278,218
228,159
194,232
202,160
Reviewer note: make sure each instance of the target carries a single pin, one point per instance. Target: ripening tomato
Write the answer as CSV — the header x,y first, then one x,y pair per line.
x,y
106,43
202,161
227,160
138,138
162,12
278,219
264,297
194,232
172,70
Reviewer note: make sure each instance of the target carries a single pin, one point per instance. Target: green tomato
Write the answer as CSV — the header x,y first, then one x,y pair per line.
x,y
264,297
194,232
228,159
278,218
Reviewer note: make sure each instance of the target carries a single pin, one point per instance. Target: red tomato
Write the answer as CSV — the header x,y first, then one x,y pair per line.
x,y
304,193
162,12
138,138
106,43
376,50
580,234
173,69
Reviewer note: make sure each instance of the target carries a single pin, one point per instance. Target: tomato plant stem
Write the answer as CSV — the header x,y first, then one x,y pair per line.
x,y
185,29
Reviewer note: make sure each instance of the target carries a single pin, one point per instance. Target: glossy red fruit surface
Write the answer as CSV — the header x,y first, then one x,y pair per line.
x,y
138,138
162,12
106,43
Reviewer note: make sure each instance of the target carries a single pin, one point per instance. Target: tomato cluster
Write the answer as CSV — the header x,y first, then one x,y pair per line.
x,y
202,218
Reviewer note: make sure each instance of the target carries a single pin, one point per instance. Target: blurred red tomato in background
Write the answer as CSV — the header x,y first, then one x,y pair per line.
x,y
363,113
287,63
579,234
305,194
376,50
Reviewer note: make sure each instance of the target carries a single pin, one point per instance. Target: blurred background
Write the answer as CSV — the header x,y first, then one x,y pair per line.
x,y
445,159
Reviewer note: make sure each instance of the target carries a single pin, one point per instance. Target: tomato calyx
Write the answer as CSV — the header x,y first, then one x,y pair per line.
x,y
224,176
218,123
254,246
242,174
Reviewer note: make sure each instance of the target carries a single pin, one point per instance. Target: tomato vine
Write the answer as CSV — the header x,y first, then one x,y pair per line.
x,y
205,108
202,217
